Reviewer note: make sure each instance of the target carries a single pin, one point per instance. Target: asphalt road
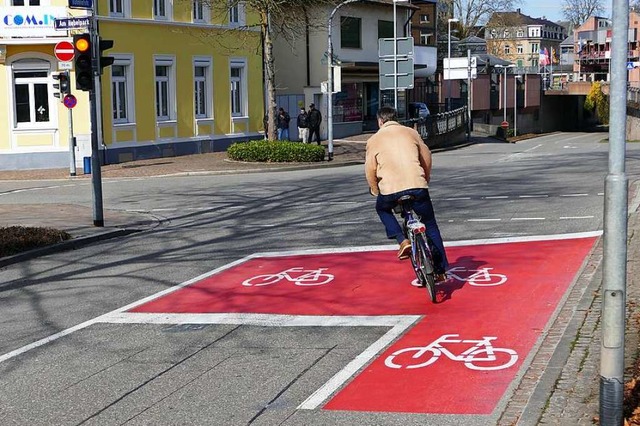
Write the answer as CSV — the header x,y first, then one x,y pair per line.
x,y
240,374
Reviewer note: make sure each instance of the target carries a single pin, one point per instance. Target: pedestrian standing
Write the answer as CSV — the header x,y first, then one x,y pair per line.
x,y
303,125
283,125
315,118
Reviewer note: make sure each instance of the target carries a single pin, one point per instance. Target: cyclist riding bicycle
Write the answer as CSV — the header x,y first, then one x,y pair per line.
x,y
398,163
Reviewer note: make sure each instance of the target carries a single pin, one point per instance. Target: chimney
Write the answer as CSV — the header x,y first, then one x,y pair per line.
x,y
518,10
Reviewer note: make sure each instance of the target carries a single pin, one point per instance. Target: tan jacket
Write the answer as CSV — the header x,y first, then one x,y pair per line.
x,y
396,160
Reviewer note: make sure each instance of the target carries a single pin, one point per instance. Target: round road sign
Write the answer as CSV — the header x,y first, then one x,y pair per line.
x,y
69,101
504,124
64,51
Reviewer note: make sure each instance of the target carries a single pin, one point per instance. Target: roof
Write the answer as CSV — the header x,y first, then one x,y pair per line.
x,y
390,3
473,40
567,41
516,18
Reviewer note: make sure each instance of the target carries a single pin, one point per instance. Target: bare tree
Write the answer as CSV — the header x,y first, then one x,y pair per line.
x,y
635,6
284,19
578,11
472,14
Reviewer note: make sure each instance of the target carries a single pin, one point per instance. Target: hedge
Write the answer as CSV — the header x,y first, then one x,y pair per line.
x,y
276,152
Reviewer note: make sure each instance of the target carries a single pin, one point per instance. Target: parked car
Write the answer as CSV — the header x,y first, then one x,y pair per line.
x,y
418,110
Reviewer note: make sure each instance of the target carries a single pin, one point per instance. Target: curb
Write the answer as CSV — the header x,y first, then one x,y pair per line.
x,y
72,244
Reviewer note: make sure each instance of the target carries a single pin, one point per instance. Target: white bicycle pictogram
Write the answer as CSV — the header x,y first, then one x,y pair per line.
x,y
308,277
480,277
482,352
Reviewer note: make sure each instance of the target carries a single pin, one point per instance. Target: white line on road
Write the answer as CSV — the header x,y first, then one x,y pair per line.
x,y
528,218
457,198
496,197
484,220
574,195
534,196
576,217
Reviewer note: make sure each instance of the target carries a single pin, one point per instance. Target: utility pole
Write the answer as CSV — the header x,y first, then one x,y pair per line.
x,y
614,285
96,173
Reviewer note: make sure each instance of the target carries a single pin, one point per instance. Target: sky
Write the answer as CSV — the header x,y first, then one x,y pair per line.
x,y
552,9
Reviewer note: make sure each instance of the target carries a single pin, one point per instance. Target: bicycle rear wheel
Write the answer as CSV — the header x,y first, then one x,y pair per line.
x,y
424,265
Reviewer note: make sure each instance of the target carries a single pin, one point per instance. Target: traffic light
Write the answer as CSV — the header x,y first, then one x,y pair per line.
x,y
83,65
105,61
63,84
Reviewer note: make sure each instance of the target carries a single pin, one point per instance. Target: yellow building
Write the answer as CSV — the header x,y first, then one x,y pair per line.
x,y
186,79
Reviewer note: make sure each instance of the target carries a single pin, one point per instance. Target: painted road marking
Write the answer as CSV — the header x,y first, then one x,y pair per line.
x,y
333,305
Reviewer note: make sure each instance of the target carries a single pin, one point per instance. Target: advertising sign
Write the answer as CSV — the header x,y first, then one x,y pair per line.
x,y
38,21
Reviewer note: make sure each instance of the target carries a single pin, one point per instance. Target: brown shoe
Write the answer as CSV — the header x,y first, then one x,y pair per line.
x,y
405,249
440,278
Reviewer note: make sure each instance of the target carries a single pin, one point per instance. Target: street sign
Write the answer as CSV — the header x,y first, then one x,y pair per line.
x,y
458,68
81,4
64,51
71,23
70,101
504,124
385,47
405,73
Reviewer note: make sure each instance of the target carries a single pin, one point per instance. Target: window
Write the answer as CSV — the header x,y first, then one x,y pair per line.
x,y
426,37
424,18
520,49
507,34
238,91
534,62
165,94
122,91
520,33
202,92
25,3
161,10
200,11
385,29
116,7
350,32
31,95
236,14
535,47
507,49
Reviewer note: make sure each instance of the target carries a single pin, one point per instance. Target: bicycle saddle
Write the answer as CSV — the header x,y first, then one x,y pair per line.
x,y
405,198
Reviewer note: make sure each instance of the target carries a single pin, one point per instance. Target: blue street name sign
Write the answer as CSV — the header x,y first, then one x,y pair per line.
x,y
81,4
71,23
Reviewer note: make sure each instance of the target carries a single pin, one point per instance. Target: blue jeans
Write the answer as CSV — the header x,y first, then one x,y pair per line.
x,y
283,134
423,208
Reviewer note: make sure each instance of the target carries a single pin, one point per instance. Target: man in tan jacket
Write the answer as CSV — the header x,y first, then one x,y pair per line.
x,y
398,163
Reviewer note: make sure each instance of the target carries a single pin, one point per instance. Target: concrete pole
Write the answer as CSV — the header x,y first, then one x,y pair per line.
x,y
395,58
72,139
94,99
615,230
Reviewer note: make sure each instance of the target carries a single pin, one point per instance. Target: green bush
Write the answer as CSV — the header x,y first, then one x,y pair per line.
x,y
275,152
16,239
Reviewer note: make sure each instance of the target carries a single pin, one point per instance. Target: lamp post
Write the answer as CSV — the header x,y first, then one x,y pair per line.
x,y
449,21
515,104
504,104
395,54
330,78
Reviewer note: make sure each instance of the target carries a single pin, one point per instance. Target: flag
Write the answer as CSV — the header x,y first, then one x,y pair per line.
x,y
543,60
554,56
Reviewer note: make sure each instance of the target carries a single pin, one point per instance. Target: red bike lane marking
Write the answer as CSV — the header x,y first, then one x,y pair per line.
x,y
375,283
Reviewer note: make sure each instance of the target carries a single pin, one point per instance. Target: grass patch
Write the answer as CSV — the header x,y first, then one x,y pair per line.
x,y
17,239
276,152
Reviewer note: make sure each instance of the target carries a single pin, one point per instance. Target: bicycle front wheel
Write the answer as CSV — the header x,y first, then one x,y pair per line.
x,y
424,266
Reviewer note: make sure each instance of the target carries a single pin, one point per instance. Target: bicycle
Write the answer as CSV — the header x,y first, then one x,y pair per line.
x,y
421,256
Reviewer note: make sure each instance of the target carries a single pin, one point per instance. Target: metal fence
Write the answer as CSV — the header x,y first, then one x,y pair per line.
x,y
439,124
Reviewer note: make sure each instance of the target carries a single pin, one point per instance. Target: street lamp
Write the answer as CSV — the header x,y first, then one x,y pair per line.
x,y
449,21
504,104
395,55
515,104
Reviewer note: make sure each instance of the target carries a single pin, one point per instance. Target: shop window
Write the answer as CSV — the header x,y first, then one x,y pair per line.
x,y
385,29
32,103
238,89
348,103
350,32
203,98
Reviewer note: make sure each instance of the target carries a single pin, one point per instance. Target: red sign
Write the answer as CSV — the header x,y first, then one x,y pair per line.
x,y
504,124
64,51
69,101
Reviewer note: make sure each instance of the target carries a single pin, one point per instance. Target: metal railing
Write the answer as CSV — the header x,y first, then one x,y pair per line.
x,y
439,124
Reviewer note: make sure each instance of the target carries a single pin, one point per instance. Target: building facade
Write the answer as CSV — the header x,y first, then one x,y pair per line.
x,y
520,39
186,79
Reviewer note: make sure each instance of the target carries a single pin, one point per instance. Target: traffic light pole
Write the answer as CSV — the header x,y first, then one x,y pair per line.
x,y
72,139
96,173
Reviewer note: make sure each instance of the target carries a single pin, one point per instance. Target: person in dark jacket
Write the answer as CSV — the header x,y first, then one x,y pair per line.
x,y
303,125
315,118
283,120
